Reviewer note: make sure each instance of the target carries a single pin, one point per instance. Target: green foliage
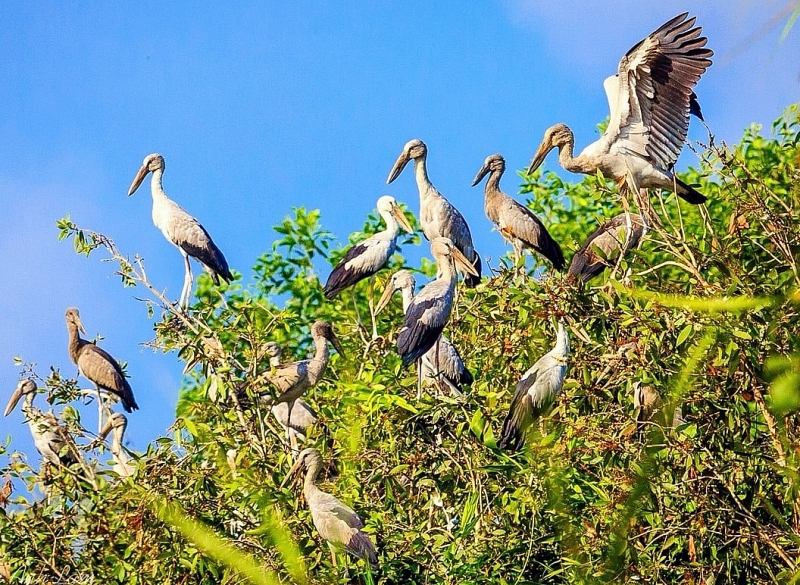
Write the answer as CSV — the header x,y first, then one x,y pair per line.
x,y
705,312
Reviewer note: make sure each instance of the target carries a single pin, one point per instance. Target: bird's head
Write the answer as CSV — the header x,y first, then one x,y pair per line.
x,y
151,163
116,421
494,163
73,318
24,387
443,248
307,459
401,280
323,329
388,204
554,137
413,149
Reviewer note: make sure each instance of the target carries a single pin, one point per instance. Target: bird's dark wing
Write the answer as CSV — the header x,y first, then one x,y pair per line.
x,y
445,359
102,369
190,236
423,324
519,414
650,100
525,226
361,261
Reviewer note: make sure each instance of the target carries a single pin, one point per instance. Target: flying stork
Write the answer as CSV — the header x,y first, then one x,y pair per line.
x,y
293,379
536,391
98,366
180,228
337,523
517,224
122,463
607,243
437,216
48,435
429,311
366,258
442,363
650,99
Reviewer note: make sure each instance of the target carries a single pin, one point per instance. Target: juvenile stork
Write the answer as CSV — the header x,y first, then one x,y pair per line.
x,y
48,435
437,216
97,365
180,228
122,463
517,224
536,392
303,416
650,99
366,258
337,523
605,246
442,363
293,379
429,311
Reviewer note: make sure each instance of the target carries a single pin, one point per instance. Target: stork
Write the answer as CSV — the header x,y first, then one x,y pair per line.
x,y
442,362
122,463
429,311
608,243
517,224
293,379
650,99
337,523
366,258
180,228
536,391
303,416
437,216
48,435
98,366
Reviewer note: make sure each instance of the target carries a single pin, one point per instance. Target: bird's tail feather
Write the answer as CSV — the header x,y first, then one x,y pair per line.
x,y
511,439
688,193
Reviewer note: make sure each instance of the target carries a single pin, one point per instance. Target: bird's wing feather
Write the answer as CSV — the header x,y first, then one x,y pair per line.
x,y
288,375
651,103
445,359
424,320
188,234
361,261
525,226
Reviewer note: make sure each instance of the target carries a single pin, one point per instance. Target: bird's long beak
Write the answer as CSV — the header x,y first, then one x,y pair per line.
x,y
401,218
101,436
462,262
137,180
398,167
385,298
79,325
481,174
335,342
292,472
544,149
12,403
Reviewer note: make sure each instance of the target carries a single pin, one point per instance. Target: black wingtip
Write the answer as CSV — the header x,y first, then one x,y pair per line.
x,y
694,107
689,194
470,280
511,439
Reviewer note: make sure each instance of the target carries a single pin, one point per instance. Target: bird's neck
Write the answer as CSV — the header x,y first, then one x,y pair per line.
x,y
319,362
156,188
28,411
568,162
408,296
562,344
447,272
424,184
310,481
75,343
392,227
492,192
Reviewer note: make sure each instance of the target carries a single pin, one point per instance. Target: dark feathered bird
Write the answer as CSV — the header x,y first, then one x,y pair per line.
x,y
438,218
650,99
516,223
429,312
605,245
96,364
180,228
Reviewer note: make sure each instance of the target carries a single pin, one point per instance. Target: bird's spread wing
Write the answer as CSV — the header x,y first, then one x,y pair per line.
x,y
361,261
650,96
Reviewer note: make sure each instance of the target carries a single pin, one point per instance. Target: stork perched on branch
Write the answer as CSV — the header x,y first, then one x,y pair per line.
x,y
303,416
606,245
437,216
122,463
180,228
517,224
650,99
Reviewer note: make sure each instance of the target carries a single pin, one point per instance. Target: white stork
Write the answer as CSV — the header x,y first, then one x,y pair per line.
x,y
337,523
98,366
437,216
48,435
366,258
650,99
293,379
536,391
303,416
429,311
442,363
122,463
607,243
180,228
517,224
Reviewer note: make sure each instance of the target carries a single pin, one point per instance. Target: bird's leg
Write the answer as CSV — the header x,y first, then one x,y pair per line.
x,y
355,307
372,306
420,367
290,436
333,555
188,282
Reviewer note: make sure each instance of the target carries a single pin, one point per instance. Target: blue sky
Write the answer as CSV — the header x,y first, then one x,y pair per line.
x,y
263,107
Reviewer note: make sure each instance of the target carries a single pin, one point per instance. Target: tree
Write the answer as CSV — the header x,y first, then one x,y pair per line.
x,y
698,312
